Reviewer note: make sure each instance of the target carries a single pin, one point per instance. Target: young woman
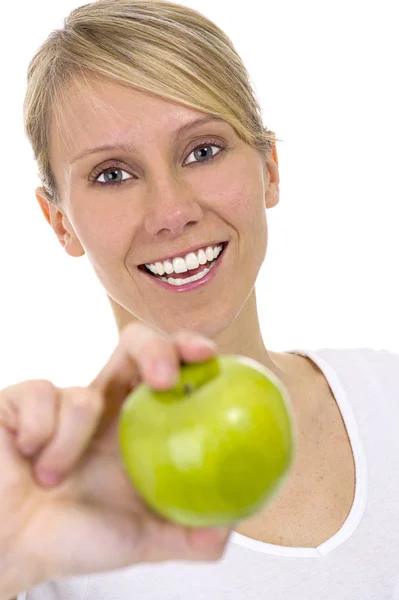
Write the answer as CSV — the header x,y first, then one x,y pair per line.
x,y
155,163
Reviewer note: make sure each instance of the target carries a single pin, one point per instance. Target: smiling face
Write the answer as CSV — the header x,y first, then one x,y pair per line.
x,y
173,193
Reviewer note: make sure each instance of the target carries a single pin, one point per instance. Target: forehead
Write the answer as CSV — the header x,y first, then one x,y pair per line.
x,y
93,111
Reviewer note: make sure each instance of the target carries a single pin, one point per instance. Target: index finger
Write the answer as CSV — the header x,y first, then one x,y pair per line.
x,y
114,382
125,368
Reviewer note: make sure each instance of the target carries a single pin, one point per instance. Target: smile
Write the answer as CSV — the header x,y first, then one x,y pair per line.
x,y
191,279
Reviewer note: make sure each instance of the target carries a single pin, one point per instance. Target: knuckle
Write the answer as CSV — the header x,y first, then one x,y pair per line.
x,y
42,387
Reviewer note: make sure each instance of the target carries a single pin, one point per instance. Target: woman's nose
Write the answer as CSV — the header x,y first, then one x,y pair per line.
x,y
172,208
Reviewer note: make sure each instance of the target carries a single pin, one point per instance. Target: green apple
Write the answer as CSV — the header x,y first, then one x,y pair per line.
x,y
214,449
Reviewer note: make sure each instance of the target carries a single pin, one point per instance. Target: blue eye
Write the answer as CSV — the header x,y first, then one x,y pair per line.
x,y
113,168
202,148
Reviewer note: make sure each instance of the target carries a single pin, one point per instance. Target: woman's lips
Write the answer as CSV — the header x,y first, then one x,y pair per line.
x,y
191,286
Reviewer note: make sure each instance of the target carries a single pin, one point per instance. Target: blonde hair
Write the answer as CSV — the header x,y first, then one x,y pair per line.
x,y
153,46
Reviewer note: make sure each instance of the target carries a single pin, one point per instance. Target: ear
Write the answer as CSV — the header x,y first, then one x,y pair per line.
x,y
60,224
43,203
273,190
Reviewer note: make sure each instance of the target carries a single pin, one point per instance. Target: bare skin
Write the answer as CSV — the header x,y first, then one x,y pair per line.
x,y
91,519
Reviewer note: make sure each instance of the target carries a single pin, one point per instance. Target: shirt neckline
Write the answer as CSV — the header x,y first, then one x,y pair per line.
x,y
360,499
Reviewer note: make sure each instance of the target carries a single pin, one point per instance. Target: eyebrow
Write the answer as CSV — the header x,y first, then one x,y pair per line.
x,y
127,147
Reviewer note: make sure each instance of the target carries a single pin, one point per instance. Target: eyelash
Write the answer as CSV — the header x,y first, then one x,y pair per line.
x,y
116,167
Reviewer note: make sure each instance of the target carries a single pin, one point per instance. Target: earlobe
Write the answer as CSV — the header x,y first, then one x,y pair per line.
x,y
272,196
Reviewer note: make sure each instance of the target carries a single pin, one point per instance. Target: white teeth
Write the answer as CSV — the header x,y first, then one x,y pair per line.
x,y
179,265
189,263
160,268
168,267
209,253
202,257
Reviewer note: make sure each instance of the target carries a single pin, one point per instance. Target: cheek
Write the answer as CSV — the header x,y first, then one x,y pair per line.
x,y
240,197
241,202
103,237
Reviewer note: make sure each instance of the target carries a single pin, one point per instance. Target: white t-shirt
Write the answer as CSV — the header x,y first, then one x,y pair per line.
x,y
359,562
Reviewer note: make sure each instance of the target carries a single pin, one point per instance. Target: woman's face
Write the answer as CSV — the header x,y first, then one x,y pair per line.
x,y
171,199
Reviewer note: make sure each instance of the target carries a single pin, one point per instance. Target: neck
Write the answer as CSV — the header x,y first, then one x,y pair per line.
x,y
242,337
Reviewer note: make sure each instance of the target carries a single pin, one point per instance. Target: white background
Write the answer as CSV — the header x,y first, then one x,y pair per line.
x,y
326,74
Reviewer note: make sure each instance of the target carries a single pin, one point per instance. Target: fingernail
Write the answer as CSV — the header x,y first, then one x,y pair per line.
x,y
48,477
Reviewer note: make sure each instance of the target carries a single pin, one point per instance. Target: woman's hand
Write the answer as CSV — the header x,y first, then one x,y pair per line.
x,y
87,517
